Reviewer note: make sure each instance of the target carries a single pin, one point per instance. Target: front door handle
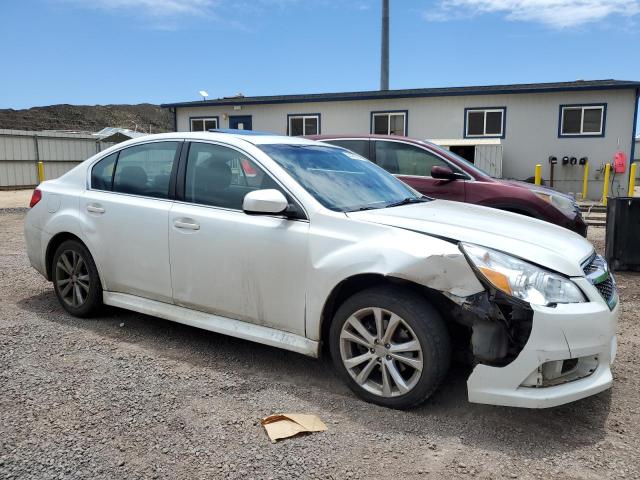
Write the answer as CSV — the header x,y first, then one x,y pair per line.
x,y
94,208
186,224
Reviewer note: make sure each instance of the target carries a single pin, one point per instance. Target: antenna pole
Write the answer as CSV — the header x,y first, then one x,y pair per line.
x,y
384,51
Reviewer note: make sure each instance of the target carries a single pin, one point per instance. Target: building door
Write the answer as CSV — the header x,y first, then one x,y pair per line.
x,y
240,122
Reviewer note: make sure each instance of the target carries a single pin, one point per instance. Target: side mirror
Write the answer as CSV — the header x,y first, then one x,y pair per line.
x,y
265,202
445,173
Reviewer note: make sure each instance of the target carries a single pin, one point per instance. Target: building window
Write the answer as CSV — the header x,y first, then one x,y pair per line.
x,y
484,122
389,123
202,124
582,120
303,124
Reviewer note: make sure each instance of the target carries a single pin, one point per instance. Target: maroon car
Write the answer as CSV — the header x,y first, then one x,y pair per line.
x,y
439,173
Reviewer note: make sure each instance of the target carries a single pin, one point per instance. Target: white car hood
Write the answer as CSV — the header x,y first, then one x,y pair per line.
x,y
536,241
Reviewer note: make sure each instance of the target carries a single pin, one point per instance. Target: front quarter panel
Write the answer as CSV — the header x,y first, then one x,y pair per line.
x,y
341,248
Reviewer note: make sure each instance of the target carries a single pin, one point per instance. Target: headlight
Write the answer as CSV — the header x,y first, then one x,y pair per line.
x,y
562,203
520,279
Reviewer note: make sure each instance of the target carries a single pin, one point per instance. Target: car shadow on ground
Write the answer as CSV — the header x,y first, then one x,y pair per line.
x,y
447,413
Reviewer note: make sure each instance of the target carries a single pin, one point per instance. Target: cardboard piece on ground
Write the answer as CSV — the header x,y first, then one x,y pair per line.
x,y
289,424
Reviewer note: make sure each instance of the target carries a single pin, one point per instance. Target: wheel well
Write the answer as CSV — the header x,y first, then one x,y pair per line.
x,y
357,283
53,245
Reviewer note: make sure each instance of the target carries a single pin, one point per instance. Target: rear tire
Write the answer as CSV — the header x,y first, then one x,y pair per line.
x,y
390,346
76,280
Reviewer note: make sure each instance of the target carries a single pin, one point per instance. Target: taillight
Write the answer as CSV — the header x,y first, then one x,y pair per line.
x,y
35,198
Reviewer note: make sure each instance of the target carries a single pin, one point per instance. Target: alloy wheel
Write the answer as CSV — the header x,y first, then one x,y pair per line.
x,y
381,352
72,278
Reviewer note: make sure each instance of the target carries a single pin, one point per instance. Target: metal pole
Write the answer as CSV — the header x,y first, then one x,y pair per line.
x,y
538,174
605,189
384,57
39,164
632,178
585,180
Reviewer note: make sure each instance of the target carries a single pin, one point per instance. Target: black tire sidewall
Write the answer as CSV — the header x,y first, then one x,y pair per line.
x,y
94,297
428,327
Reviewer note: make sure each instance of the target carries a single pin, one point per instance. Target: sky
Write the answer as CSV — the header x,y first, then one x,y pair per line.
x,y
160,51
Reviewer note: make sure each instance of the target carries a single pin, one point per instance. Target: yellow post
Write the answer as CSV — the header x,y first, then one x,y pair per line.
x,y
40,172
632,178
605,189
585,180
538,174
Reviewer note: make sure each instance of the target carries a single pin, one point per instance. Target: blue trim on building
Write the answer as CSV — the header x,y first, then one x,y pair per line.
x,y
406,119
203,117
428,92
578,135
504,122
289,115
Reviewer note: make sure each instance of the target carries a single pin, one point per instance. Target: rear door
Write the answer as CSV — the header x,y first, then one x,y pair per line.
x,y
226,262
126,212
412,164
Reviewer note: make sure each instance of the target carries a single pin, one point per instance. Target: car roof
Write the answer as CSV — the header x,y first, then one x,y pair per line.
x,y
396,138
229,136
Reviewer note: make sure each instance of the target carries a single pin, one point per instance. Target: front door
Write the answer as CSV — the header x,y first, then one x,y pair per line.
x,y
226,262
413,164
126,218
240,122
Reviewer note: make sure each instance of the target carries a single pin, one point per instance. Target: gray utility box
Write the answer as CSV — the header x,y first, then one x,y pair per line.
x,y
623,233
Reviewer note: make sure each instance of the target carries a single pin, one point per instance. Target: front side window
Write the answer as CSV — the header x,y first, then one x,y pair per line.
x,y
403,159
339,179
221,176
389,123
484,122
203,124
577,120
145,169
304,125
102,173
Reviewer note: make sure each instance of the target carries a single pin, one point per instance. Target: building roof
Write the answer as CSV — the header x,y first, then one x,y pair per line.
x,y
578,85
109,131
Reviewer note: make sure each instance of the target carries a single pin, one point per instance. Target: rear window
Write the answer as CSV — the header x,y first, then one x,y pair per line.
x,y
361,147
102,173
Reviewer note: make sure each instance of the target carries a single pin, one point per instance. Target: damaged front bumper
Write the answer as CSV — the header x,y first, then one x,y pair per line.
x,y
567,357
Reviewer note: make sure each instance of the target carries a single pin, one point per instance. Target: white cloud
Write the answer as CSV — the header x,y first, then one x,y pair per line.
x,y
553,13
156,7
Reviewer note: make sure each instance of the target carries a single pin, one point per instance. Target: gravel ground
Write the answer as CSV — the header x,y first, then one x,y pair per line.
x,y
131,396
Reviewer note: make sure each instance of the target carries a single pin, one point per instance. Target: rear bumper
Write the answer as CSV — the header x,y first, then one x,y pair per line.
x,y
35,250
583,331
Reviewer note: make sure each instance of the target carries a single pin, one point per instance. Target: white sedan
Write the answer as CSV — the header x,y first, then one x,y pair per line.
x,y
295,244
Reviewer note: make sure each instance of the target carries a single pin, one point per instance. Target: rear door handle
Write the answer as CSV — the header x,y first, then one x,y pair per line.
x,y
94,208
186,224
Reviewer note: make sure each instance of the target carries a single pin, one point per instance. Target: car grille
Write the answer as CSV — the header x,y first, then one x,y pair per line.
x,y
597,272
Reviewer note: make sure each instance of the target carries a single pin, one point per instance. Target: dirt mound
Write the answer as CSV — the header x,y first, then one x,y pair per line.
x,y
92,118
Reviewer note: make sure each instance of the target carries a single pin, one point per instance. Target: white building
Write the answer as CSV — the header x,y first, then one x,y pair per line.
x,y
531,122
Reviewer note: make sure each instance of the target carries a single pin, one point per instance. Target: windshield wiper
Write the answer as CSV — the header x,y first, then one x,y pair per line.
x,y
407,201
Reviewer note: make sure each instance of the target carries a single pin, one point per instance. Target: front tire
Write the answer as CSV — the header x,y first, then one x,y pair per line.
x,y
76,280
390,346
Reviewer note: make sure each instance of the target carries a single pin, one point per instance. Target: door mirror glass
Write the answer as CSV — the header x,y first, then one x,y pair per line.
x,y
265,202
445,173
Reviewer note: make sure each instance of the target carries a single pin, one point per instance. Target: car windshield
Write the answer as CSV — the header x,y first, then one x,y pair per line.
x,y
463,160
339,179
